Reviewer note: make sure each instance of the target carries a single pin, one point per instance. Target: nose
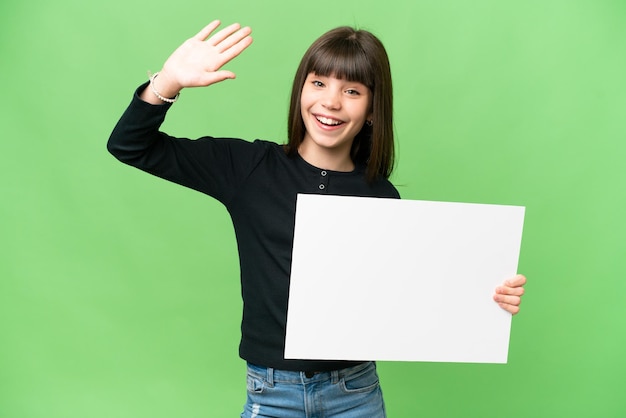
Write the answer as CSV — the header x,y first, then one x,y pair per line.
x,y
331,99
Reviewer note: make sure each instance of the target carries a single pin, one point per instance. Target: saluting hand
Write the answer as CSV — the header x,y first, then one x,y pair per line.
x,y
198,61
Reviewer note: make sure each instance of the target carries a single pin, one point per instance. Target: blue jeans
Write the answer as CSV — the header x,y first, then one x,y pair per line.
x,y
353,392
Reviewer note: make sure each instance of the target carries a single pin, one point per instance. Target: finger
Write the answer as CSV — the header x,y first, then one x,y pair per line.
x,y
508,299
234,39
509,308
206,31
519,280
217,76
237,49
223,34
505,290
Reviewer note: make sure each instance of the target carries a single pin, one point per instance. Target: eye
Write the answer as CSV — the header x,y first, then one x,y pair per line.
x,y
353,92
317,83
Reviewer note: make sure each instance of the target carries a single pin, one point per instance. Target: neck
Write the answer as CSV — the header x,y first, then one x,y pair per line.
x,y
328,159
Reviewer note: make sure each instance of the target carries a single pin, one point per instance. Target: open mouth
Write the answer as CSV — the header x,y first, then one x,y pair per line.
x,y
328,121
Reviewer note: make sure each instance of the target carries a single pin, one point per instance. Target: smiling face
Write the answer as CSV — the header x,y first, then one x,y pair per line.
x,y
333,111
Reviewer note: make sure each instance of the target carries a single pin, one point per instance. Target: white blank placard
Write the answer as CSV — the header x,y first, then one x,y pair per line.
x,y
390,279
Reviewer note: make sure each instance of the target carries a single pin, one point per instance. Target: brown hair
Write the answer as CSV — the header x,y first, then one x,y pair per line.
x,y
354,55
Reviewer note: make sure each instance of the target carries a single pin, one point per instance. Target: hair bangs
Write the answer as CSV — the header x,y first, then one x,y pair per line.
x,y
343,59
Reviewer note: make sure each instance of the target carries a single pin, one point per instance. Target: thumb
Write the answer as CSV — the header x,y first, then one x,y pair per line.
x,y
217,76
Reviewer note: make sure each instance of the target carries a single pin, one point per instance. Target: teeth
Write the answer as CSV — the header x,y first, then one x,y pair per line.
x,y
328,121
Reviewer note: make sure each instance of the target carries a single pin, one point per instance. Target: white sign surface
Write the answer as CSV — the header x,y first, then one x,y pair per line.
x,y
390,279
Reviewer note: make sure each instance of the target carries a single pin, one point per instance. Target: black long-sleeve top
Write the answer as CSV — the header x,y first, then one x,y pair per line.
x,y
257,183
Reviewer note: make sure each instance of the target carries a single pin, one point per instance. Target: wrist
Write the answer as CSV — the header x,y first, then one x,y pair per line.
x,y
163,88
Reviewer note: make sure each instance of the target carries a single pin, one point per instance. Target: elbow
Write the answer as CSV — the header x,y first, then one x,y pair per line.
x,y
117,148
114,149
111,147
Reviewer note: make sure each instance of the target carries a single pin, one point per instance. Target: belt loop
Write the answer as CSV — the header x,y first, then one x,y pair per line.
x,y
334,377
270,376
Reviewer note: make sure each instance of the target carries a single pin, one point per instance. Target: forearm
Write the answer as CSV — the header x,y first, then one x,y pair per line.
x,y
215,166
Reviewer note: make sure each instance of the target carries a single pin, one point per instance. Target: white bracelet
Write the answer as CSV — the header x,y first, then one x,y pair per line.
x,y
156,93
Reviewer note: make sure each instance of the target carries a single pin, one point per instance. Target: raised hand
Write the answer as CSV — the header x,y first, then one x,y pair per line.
x,y
198,61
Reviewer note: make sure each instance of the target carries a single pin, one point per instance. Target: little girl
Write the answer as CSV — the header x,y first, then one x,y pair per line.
x,y
340,142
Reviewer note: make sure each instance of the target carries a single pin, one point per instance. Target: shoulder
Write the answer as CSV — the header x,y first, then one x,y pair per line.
x,y
272,151
236,147
243,155
386,188
381,186
243,145
269,146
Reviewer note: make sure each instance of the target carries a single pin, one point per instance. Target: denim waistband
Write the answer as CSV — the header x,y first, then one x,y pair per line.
x,y
272,375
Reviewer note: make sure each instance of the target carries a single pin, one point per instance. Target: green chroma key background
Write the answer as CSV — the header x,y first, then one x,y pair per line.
x,y
119,292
